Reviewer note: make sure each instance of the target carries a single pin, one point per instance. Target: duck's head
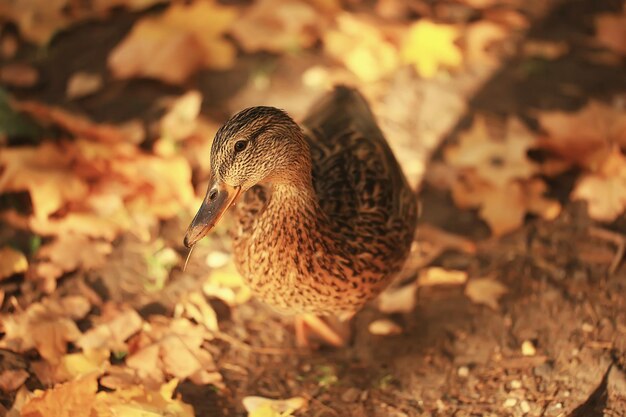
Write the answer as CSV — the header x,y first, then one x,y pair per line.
x,y
259,144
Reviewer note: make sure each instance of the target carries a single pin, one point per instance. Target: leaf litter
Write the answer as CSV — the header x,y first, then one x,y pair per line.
x,y
95,187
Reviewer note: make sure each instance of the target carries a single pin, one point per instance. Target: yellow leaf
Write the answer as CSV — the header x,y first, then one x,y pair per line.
x,y
170,47
266,407
362,48
430,46
91,361
441,276
11,262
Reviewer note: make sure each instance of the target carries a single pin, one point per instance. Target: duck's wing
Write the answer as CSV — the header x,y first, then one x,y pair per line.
x,y
358,180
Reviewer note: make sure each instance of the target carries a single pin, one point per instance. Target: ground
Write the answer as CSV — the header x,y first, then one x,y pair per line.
x,y
554,344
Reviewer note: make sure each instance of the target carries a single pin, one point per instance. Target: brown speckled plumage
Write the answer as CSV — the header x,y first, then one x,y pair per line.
x,y
328,218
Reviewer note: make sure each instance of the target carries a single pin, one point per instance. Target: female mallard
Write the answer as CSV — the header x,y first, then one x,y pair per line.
x,y
326,217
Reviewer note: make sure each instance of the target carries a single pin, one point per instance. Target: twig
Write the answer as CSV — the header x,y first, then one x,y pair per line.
x,y
617,239
254,349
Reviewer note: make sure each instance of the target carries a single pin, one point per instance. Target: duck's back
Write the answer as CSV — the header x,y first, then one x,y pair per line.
x,y
359,182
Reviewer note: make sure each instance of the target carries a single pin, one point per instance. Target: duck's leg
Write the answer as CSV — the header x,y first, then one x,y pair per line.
x,y
309,326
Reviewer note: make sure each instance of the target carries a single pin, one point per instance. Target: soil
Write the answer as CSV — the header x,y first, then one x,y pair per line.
x,y
566,283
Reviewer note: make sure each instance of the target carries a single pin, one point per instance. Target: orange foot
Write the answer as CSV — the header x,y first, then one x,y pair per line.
x,y
310,327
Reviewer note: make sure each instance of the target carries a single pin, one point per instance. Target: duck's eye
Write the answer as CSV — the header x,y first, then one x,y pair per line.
x,y
240,145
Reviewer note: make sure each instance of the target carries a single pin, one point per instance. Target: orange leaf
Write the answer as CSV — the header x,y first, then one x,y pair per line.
x,y
72,399
170,47
611,31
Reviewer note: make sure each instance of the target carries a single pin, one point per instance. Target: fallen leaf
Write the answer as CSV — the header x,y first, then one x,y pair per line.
x,y
139,401
189,35
430,46
266,407
71,399
398,300
384,327
278,26
113,327
611,31
12,379
481,39
362,48
604,188
485,291
82,84
180,121
496,160
47,326
585,137
45,172
172,348
504,208
440,276
194,306
528,348
11,262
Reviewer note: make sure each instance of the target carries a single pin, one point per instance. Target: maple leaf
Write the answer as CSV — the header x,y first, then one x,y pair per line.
x,y
611,31
11,262
497,161
188,35
46,326
362,48
44,172
584,137
504,208
485,291
278,26
430,46
72,399
604,189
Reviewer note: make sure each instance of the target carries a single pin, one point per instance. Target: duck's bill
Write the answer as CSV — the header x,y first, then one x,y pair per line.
x,y
218,199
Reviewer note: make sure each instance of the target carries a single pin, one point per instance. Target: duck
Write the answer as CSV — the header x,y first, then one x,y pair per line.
x,y
324,216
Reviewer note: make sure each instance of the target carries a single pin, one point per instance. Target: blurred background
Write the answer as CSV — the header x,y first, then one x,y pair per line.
x,y
508,116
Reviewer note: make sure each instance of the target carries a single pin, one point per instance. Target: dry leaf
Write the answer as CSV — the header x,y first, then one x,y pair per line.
x,y
496,160
72,399
398,300
266,407
604,189
278,26
384,327
189,35
439,276
12,379
585,137
485,291
194,306
611,31
45,326
114,326
172,348
82,84
362,48
11,262
181,119
44,172
504,208
480,40
528,348
19,75
430,46
138,401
